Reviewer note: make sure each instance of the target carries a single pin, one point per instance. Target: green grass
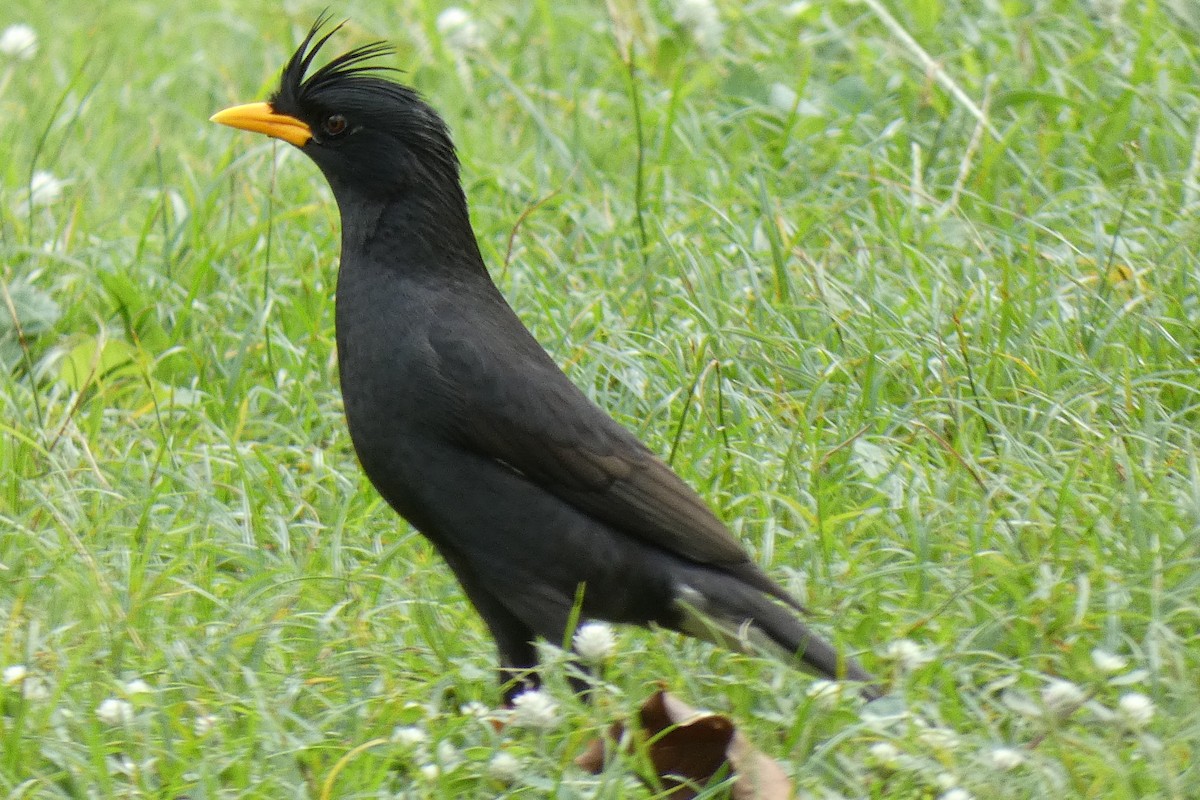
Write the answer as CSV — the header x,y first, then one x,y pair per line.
x,y
941,377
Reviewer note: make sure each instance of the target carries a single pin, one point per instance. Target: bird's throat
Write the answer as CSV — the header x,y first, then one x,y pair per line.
x,y
412,234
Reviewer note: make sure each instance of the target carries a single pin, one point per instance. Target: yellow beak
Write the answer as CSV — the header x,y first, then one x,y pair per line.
x,y
261,118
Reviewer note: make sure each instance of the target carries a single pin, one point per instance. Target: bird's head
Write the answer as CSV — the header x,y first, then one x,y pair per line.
x,y
374,139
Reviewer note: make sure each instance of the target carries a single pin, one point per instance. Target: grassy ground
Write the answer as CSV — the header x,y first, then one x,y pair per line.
x,y
907,290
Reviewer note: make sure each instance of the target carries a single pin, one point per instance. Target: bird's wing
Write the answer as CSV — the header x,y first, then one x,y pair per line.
x,y
514,405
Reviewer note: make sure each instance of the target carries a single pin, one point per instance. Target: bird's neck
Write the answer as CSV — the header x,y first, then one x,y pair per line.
x,y
415,233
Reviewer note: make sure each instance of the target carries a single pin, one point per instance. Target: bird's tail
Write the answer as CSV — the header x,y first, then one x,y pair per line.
x,y
731,614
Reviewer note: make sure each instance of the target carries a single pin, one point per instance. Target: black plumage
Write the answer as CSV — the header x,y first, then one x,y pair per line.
x,y
533,495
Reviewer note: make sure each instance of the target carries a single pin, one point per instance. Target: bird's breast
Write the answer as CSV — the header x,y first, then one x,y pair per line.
x,y
386,376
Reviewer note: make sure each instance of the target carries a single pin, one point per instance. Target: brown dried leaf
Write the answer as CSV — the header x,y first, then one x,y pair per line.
x,y
688,748
593,757
759,777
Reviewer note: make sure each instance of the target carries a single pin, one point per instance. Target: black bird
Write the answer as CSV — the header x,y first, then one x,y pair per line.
x,y
533,495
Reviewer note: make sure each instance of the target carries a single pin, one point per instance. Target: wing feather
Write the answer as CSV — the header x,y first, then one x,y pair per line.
x,y
519,409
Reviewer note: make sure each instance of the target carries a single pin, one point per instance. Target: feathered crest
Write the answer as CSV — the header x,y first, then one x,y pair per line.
x,y
293,84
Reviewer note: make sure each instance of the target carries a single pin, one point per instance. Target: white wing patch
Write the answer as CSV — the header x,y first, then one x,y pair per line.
x,y
739,635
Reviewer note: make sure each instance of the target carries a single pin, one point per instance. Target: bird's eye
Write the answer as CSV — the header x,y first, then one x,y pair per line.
x,y
335,125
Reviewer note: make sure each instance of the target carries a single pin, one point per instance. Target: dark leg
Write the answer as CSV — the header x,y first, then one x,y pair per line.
x,y
514,639
578,677
515,642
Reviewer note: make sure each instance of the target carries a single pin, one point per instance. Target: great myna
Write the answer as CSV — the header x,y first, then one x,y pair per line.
x,y
534,496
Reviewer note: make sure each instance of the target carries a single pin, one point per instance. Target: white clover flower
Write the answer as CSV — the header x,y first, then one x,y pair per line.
x,y
825,693
475,709
1006,758
907,654
797,9
595,641
430,772
44,189
1108,662
121,764
34,688
409,736
137,686
1060,696
14,674
114,711
19,41
204,724
458,30
938,738
1136,709
535,709
956,794
447,756
701,20
782,97
945,780
504,767
884,754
